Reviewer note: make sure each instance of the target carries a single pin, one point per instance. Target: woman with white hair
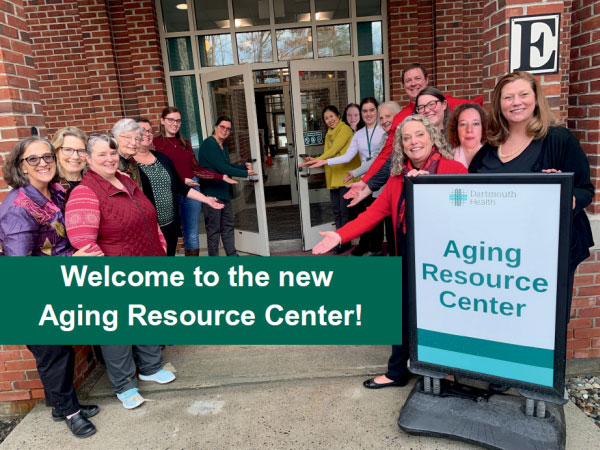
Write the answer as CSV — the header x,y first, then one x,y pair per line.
x,y
128,134
419,149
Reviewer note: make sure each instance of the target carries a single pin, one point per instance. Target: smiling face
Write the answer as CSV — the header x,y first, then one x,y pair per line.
x,y
386,118
416,142
517,102
331,119
433,109
147,135
469,129
172,123
222,130
353,117
39,176
104,160
129,143
369,114
414,82
71,165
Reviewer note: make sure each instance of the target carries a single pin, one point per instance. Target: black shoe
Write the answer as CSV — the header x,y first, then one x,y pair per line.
x,y
342,248
402,381
376,253
498,388
80,426
86,410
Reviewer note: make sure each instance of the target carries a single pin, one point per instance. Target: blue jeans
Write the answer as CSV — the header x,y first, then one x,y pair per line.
x,y
190,211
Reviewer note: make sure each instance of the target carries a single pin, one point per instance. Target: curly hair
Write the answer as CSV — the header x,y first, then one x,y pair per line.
x,y
543,118
452,128
439,142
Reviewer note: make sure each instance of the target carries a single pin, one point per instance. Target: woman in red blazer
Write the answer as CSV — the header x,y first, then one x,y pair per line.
x,y
419,149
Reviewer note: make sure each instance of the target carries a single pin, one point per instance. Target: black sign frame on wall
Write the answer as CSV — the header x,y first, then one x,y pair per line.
x,y
522,43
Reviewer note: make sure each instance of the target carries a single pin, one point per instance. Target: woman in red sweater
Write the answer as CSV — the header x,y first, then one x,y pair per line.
x,y
419,149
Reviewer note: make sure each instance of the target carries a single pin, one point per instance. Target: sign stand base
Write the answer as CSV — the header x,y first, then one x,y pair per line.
x,y
494,421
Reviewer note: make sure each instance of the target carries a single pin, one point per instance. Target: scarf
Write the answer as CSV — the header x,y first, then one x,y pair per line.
x,y
430,165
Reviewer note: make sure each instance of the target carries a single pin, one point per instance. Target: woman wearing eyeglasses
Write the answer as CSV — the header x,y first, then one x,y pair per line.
x,y
69,144
32,223
170,141
432,104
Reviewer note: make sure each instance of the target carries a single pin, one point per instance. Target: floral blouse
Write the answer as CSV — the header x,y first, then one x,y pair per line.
x,y
32,225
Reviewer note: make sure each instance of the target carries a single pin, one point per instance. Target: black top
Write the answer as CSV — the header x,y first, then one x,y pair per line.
x,y
525,162
557,150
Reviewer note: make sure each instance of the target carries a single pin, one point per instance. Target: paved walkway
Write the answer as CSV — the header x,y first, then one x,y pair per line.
x,y
251,397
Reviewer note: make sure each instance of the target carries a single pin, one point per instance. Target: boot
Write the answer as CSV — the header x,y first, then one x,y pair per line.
x,y
189,252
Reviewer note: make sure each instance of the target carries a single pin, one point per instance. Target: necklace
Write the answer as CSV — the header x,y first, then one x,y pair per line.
x,y
519,149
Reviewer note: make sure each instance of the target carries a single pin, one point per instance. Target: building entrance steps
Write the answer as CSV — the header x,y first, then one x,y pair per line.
x,y
249,397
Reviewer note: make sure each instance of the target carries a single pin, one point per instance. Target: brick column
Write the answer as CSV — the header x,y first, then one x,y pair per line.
x,y
20,106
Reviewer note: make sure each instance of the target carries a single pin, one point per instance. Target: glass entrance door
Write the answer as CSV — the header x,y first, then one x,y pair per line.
x,y
316,84
230,92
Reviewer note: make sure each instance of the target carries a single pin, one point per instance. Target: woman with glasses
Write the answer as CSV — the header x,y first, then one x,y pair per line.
x,y
129,138
109,210
432,104
162,185
69,144
214,155
32,223
171,143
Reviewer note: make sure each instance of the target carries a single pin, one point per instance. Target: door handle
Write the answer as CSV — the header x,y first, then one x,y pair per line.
x,y
252,180
304,175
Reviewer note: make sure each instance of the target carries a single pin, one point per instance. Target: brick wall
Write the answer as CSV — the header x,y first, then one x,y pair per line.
x,y
584,85
20,106
20,385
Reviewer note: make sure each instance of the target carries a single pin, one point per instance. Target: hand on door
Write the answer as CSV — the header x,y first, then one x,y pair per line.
x,y
318,163
307,160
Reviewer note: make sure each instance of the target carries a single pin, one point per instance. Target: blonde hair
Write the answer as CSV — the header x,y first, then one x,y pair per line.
x,y
436,136
59,138
542,120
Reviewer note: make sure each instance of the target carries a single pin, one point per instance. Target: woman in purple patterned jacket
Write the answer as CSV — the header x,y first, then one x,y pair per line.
x,y
32,223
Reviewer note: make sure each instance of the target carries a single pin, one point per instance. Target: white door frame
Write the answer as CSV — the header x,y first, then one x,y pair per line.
x,y
245,241
310,234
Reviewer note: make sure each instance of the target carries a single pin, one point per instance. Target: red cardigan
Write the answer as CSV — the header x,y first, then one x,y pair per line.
x,y
387,203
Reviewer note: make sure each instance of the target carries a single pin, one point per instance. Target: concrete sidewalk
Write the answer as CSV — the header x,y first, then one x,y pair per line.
x,y
249,397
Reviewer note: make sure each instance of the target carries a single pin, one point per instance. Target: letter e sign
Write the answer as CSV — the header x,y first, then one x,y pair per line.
x,y
535,43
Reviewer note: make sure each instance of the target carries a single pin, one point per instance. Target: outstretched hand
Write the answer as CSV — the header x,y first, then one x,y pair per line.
x,y
214,203
355,188
348,177
330,240
190,182
360,196
318,163
228,179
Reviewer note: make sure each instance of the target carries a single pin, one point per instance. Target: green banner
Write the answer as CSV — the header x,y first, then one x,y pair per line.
x,y
248,300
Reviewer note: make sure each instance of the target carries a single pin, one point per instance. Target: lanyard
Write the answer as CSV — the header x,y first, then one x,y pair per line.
x,y
370,139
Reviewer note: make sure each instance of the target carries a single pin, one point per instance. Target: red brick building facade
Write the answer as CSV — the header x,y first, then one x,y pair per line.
x,y
88,63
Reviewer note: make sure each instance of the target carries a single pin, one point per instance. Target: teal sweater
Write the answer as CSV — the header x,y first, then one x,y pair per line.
x,y
212,157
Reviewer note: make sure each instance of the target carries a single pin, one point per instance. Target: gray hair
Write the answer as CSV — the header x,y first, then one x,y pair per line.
x,y
12,171
125,125
439,142
100,137
393,106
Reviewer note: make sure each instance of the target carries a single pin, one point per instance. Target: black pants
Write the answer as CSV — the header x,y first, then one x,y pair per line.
x,y
171,233
400,353
390,235
371,240
219,226
339,206
56,364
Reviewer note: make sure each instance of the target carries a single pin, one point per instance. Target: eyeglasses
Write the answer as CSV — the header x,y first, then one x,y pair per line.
x,y
148,131
171,121
131,138
430,106
68,151
33,161
224,128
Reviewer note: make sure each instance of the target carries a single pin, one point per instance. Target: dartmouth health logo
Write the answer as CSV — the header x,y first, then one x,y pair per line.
x,y
459,197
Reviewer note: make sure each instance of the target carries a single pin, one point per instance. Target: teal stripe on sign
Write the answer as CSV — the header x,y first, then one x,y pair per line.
x,y
482,364
531,356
